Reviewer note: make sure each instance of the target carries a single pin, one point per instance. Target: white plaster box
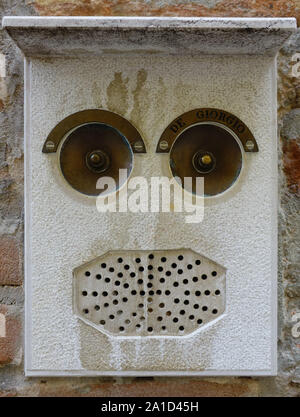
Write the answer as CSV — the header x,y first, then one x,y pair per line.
x,y
150,71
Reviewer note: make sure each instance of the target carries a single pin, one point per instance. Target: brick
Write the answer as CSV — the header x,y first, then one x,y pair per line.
x,y
142,387
291,164
228,8
10,263
10,344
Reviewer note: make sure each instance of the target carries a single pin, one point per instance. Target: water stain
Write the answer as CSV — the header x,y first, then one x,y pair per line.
x,y
117,94
139,97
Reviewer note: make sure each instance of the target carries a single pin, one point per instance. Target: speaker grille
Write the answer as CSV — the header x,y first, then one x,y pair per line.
x,y
149,293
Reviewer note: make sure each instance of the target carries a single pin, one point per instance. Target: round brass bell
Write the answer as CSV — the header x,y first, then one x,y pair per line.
x,y
210,151
91,151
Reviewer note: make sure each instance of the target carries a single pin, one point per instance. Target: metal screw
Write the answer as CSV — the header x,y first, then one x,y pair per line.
x,y
50,145
163,145
249,145
138,146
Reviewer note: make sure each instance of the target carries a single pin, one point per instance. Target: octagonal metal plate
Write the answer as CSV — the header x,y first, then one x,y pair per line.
x,y
149,293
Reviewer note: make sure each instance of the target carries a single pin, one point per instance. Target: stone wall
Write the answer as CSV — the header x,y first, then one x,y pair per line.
x,y
12,380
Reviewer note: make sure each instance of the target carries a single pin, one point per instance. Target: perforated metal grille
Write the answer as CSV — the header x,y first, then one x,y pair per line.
x,y
149,293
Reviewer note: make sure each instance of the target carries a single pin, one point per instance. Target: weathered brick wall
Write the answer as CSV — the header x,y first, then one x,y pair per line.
x,y
12,380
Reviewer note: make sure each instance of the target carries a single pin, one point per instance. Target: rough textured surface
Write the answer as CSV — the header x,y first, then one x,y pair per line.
x,y
59,36
12,381
171,87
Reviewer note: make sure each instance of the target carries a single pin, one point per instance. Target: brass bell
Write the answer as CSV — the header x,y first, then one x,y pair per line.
x,y
207,150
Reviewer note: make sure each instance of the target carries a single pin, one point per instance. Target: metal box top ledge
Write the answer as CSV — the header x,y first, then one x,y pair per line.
x,y
63,36
149,71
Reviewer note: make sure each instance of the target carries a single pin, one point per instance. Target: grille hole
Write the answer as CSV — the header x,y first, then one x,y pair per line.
x,y
150,329
176,300
125,299
168,273
190,266
217,292
185,281
196,306
102,322
206,292
107,280
195,279
126,285
87,273
159,318
121,328
85,311
161,305
126,267
119,312
97,307
160,268
168,313
180,271
175,284
137,260
181,328
111,269
180,258
141,268
214,273
163,259
175,319
199,321
167,292
191,317
120,274
198,262
203,276
186,302
215,311
151,256
132,274
120,260
84,293
204,308
133,292
105,293
198,293
103,265
115,302
106,305
174,265
158,292
98,276
111,316
95,293
117,283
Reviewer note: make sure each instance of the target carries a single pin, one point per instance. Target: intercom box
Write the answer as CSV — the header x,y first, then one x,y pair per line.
x,y
68,240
